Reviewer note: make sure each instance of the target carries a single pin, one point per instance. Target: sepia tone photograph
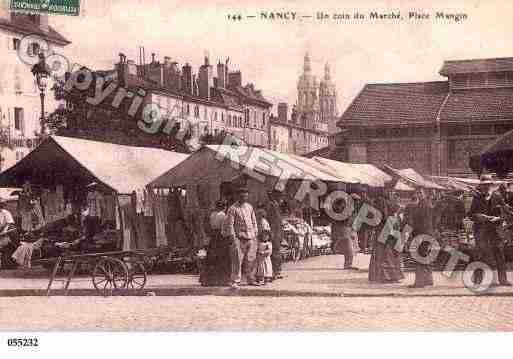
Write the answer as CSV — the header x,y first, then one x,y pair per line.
x,y
262,166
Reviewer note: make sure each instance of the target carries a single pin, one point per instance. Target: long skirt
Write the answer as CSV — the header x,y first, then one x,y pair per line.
x,y
385,264
423,273
217,269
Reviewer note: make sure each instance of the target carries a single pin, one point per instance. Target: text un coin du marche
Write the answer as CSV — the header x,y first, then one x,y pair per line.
x,y
393,16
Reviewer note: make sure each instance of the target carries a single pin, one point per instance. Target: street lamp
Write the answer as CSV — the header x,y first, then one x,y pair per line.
x,y
41,73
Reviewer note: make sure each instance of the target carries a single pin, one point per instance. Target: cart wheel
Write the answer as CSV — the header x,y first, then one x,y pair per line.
x,y
138,276
109,274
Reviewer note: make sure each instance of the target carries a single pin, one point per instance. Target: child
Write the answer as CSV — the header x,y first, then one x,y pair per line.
x,y
265,267
265,248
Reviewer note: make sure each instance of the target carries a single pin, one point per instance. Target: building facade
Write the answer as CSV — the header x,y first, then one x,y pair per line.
x,y
20,106
214,101
433,127
289,136
316,101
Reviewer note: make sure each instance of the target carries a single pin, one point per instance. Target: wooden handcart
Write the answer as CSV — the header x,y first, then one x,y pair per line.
x,y
110,272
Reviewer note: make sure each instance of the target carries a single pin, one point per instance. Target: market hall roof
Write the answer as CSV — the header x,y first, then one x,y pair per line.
x,y
478,104
408,103
504,64
396,103
121,168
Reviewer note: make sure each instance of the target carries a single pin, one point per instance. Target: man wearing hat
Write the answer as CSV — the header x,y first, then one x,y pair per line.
x,y
241,228
485,212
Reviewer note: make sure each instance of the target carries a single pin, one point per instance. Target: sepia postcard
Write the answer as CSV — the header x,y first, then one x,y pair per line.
x,y
263,166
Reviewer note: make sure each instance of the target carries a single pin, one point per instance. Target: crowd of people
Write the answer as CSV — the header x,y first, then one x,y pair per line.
x,y
249,241
490,209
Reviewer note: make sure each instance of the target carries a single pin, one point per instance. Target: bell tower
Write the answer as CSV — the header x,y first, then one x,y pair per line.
x,y
328,100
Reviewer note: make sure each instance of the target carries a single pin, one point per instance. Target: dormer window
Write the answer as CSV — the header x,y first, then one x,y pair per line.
x,y
15,44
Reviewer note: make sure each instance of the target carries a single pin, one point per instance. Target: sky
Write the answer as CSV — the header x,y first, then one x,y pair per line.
x,y
270,53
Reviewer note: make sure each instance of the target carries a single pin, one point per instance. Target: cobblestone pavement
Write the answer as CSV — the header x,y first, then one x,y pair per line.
x,y
256,313
447,306
317,275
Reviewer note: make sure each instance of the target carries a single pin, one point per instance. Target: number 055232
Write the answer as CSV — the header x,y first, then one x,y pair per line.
x,y
22,342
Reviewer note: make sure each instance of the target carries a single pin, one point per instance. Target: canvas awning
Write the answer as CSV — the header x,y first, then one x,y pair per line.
x,y
66,160
414,178
366,174
224,163
455,183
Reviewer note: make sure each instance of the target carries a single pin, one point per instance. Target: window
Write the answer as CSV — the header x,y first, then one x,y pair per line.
x,y
263,120
188,110
230,120
33,49
222,117
15,44
18,119
451,152
196,111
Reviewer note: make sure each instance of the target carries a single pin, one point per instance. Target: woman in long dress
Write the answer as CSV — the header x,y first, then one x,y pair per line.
x,y
422,221
385,263
217,264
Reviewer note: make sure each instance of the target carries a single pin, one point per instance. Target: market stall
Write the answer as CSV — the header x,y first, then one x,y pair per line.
x,y
66,179
210,173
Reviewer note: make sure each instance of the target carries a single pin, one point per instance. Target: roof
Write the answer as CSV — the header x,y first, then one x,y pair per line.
x,y
400,102
478,104
477,65
366,174
121,168
250,93
29,28
324,152
224,163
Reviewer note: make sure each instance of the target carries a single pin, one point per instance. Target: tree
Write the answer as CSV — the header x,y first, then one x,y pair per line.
x,y
79,118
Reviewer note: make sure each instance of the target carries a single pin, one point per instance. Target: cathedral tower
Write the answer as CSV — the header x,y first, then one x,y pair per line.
x,y
307,96
328,101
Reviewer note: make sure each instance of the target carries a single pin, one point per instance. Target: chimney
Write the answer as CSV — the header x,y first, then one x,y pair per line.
x,y
205,80
221,75
172,76
187,79
282,112
122,69
234,79
152,57
195,87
